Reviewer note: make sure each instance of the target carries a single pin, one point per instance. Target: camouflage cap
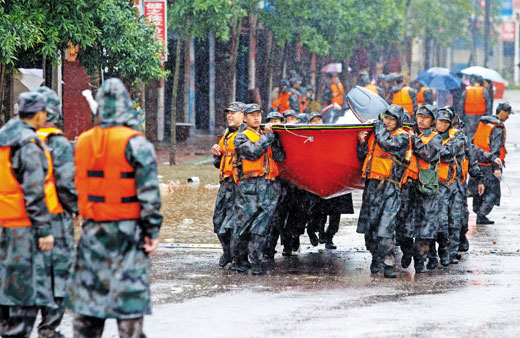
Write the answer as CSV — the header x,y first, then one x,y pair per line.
x,y
313,115
274,115
30,102
289,112
304,118
427,110
52,104
446,114
236,106
252,107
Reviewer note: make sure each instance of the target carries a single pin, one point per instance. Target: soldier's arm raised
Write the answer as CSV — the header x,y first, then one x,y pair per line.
x,y
252,150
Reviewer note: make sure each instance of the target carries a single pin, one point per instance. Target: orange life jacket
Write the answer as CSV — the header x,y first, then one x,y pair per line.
x,y
12,204
337,93
413,170
475,104
372,87
281,104
378,164
55,207
420,95
264,166
227,148
104,179
402,98
444,168
482,135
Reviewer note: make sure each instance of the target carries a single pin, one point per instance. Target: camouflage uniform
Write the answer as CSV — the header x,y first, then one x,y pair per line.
x,y
25,271
111,270
278,226
382,199
257,197
417,215
223,216
62,155
482,205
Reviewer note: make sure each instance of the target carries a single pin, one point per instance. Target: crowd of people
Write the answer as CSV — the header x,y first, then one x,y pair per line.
x,y
420,164
110,181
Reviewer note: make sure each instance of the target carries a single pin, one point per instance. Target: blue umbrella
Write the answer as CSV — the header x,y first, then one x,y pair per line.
x,y
439,78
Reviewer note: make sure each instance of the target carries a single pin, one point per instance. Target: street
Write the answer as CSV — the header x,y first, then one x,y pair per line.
x,y
331,293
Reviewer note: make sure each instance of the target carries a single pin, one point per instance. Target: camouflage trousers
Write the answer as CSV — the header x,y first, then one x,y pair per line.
x,y
51,319
92,327
225,241
381,248
484,204
418,248
278,226
248,246
465,210
17,321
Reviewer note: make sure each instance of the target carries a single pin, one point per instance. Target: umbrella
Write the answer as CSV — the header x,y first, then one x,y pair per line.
x,y
332,68
439,78
486,73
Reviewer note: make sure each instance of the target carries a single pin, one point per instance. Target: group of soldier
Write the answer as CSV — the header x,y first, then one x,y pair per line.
x,y
108,180
415,162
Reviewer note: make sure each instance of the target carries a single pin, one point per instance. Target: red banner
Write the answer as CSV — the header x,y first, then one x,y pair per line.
x,y
507,32
155,11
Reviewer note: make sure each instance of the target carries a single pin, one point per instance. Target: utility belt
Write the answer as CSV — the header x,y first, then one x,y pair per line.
x,y
386,179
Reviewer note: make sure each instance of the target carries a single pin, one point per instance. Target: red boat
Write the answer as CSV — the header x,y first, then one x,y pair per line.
x,y
322,158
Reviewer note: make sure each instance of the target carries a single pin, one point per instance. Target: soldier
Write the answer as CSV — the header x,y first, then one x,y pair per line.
x,y
416,218
224,158
403,96
27,195
364,81
118,197
281,103
275,118
384,156
291,117
491,138
315,118
62,155
474,103
334,92
258,192
424,94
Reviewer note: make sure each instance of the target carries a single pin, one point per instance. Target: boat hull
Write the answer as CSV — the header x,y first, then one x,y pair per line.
x,y
321,159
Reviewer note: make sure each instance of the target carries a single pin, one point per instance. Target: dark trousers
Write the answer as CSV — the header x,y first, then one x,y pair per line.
x,y
92,327
51,319
17,321
417,248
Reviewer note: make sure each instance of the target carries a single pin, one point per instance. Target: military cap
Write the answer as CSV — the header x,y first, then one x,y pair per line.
x,y
394,111
313,115
252,107
236,106
289,112
274,115
505,107
446,114
427,110
304,118
31,102
52,104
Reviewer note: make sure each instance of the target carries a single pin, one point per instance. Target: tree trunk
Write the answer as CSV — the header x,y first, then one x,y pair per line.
x,y
313,74
233,57
212,83
173,121
269,69
487,32
3,112
251,87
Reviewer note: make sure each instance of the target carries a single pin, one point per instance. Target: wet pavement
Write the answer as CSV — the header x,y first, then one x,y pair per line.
x,y
330,293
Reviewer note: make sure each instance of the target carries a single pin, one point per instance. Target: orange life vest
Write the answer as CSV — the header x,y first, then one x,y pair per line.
x,y
227,148
12,204
482,135
420,95
337,93
378,164
402,98
264,166
372,87
475,104
281,104
413,170
444,168
104,179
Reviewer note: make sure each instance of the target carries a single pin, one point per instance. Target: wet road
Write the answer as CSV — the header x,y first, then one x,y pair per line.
x,y
325,293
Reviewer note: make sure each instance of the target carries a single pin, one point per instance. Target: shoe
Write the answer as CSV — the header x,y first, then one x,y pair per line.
x,y
464,244
256,270
246,264
374,267
389,272
314,239
420,268
295,243
322,238
454,260
238,267
406,260
50,334
445,260
330,245
287,252
432,263
481,219
458,256
224,260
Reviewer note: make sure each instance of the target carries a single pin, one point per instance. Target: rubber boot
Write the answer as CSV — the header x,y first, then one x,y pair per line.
x,y
406,260
389,272
432,263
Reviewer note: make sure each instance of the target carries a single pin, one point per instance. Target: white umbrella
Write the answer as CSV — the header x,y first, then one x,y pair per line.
x,y
332,68
486,73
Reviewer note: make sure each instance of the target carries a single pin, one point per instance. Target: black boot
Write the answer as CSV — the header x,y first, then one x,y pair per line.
x,y
454,259
238,266
374,267
295,243
224,260
419,268
432,263
330,245
481,219
256,270
313,238
389,272
464,244
406,260
287,252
